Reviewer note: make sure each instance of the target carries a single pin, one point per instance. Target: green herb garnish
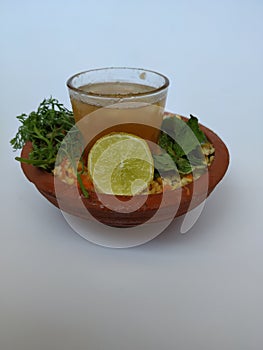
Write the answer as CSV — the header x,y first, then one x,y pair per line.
x,y
193,123
46,128
181,142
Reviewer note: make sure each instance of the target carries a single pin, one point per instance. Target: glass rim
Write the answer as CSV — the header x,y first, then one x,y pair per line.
x,y
164,86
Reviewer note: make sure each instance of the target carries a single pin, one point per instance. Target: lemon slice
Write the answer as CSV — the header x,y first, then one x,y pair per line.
x,y
101,145
121,164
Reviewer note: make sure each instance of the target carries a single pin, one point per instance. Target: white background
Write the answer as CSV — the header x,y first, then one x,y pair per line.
x,y
202,290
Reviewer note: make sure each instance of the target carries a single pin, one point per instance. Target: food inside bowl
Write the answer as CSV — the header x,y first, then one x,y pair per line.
x,y
67,174
183,155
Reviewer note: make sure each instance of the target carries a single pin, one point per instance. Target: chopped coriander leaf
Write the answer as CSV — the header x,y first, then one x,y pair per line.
x,y
193,123
182,142
164,162
184,166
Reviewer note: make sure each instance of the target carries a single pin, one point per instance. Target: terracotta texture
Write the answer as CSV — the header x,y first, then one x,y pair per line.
x,y
192,193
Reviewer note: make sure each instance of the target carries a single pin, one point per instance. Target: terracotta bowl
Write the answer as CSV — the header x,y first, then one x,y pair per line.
x,y
98,208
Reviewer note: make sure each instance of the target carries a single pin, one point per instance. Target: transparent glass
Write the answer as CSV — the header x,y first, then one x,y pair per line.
x,y
119,99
